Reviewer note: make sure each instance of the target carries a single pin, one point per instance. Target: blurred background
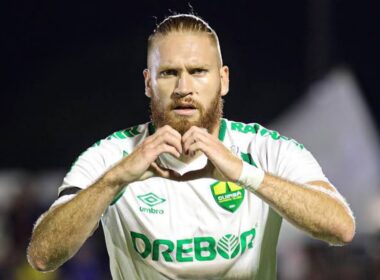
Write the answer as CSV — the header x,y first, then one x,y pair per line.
x,y
72,74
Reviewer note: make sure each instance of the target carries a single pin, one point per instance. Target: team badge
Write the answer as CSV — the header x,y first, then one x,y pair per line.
x,y
228,195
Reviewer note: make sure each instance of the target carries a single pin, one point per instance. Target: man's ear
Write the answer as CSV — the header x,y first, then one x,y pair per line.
x,y
148,83
225,80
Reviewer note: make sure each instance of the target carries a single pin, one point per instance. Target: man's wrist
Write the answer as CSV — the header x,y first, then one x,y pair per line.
x,y
251,177
112,179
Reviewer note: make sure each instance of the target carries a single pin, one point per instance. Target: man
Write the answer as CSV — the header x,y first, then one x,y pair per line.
x,y
189,195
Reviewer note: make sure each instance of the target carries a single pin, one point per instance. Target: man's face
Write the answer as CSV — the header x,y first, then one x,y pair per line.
x,y
185,82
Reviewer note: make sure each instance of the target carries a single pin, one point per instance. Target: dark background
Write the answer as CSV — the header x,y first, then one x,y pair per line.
x,y
71,74
73,69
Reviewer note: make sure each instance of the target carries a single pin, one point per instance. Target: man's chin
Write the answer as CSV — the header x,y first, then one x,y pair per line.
x,y
183,125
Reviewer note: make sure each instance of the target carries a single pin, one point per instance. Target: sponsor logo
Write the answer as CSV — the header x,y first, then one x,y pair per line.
x,y
151,200
202,248
228,246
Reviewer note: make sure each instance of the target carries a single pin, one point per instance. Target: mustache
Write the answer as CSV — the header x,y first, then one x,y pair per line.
x,y
186,103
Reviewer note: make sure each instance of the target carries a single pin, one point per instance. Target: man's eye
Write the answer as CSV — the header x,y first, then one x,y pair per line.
x,y
198,71
166,73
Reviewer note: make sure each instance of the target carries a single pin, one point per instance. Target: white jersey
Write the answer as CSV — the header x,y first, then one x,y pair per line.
x,y
197,229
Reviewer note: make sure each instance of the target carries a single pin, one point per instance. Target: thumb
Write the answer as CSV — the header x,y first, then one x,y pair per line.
x,y
159,171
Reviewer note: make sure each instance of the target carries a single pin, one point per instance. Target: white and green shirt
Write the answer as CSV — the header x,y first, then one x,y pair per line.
x,y
197,229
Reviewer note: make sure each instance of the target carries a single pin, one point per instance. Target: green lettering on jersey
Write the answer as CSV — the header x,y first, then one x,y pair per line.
x,y
245,243
181,250
258,129
147,246
200,248
275,135
251,128
237,126
166,253
97,143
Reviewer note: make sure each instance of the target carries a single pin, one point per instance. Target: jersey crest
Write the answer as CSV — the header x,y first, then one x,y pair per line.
x,y
228,195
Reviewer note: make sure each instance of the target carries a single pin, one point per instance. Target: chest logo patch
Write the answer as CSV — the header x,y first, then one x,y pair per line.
x,y
228,195
151,199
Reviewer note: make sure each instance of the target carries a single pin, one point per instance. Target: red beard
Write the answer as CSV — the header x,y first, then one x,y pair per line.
x,y
208,118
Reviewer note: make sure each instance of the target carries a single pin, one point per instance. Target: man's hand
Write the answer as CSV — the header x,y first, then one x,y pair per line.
x,y
227,165
140,164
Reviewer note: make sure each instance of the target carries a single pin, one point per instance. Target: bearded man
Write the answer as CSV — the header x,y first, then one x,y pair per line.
x,y
189,195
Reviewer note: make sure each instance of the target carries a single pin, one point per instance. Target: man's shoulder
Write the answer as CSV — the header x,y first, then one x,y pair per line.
x,y
116,145
121,141
242,128
130,134
255,131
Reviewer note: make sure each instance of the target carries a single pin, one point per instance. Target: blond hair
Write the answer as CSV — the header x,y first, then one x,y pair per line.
x,y
184,23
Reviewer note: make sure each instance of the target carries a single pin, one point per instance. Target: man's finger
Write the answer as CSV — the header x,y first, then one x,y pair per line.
x,y
165,148
198,146
195,138
192,131
167,139
169,136
159,170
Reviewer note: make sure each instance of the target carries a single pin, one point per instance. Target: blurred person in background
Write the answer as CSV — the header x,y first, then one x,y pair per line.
x,y
189,194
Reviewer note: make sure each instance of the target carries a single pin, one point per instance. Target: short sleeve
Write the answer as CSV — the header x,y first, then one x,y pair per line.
x,y
88,168
85,170
289,160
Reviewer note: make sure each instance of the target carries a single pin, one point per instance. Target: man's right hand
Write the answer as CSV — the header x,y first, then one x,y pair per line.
x,y
64,229
140,164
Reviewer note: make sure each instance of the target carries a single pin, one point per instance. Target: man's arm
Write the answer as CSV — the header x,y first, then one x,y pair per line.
x,y
316,209
61,232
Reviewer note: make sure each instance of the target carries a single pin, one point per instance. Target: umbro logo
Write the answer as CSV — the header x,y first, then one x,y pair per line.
x,y
151,200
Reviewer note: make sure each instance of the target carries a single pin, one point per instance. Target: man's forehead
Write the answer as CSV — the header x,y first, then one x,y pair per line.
x,y
192,48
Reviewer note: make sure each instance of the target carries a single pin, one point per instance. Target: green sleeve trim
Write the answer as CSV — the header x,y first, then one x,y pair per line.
x,y
248,159
222,129
119,195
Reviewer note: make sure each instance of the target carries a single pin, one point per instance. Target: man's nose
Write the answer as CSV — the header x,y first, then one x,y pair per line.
x,y
184,85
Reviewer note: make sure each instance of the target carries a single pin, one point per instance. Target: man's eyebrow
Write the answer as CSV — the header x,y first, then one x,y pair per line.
x,y
189,65
199,65
167,66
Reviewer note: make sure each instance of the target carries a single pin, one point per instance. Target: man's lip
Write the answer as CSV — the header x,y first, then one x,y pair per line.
x,y
185,106
185,111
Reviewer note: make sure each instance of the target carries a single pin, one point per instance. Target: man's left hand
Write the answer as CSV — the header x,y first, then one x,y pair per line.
x,y
224,161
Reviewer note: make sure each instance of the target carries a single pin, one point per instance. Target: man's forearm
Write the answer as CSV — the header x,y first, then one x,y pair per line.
x,y
310,209
64,229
